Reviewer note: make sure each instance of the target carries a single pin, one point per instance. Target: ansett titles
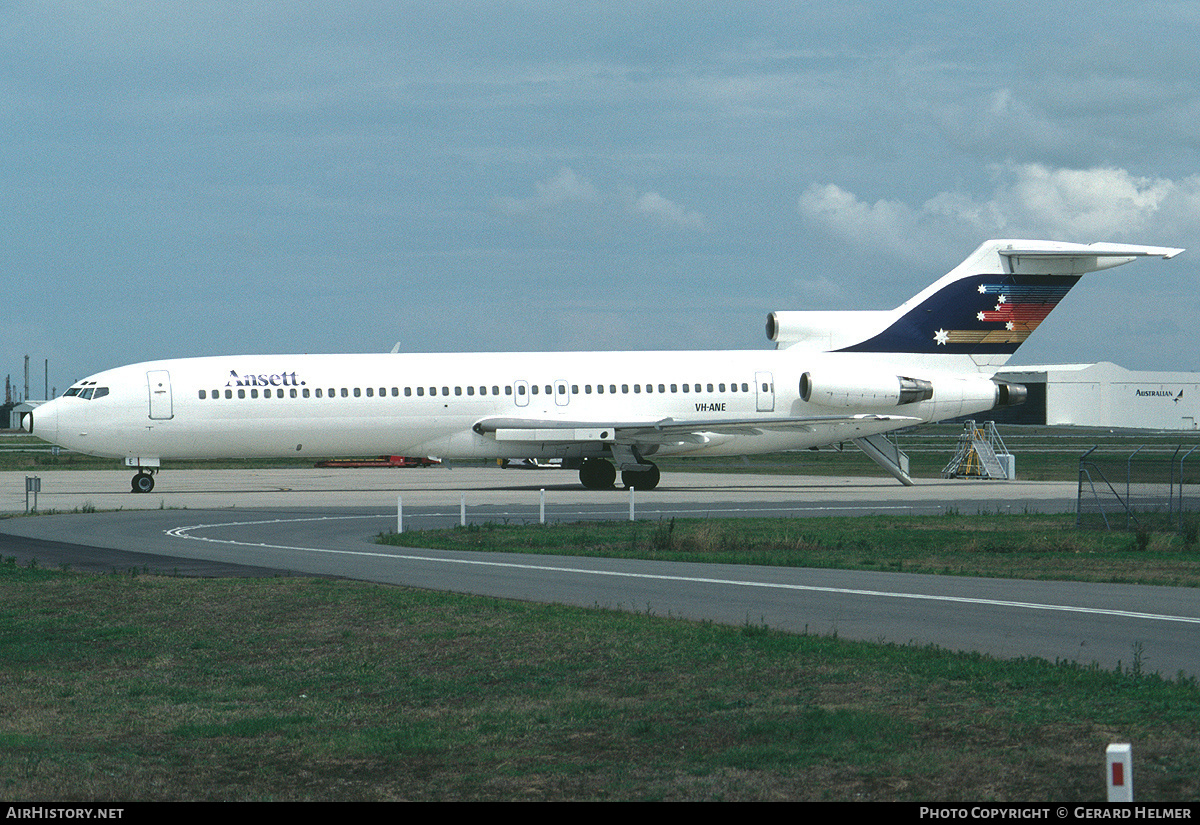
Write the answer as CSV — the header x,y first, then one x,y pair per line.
x,y
278,379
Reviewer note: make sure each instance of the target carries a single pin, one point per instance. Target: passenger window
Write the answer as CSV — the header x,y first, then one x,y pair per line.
x,y
407,392
202,396
304,392
495,390
370,392
229,393
420,391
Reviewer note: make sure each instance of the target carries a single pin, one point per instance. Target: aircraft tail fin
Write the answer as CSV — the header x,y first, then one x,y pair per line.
x,y
982,309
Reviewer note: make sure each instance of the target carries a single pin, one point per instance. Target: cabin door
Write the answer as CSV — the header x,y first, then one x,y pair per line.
x,y
764,390
159,384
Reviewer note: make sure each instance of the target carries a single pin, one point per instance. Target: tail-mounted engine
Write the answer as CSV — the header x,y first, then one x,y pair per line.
x,y
863,390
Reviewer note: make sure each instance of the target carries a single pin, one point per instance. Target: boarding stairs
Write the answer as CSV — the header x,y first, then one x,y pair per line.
x,y
977,453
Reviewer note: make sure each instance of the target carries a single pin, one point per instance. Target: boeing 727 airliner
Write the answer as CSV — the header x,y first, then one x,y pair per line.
x,y
833,377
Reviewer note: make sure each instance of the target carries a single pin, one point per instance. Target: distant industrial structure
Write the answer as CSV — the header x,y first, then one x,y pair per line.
x,y
15,403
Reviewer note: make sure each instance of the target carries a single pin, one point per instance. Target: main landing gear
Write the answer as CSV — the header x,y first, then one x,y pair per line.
x,y
143,482
599,474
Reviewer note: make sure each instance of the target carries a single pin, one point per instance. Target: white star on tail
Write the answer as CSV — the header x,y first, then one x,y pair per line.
x,y
942,337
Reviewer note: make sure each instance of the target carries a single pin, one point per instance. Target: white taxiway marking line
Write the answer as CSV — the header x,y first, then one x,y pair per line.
x,y
185,533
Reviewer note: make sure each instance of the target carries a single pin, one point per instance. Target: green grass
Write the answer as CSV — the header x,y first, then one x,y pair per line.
x,y
1008,546
124,687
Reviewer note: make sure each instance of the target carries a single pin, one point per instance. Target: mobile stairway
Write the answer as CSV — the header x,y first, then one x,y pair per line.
x,y
981,454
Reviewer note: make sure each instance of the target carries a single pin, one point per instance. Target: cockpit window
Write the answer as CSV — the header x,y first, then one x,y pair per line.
x,y
87,393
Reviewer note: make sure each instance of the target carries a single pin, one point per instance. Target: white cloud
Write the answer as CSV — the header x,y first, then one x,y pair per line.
x,y
565,187
1030,200
569,189
667,212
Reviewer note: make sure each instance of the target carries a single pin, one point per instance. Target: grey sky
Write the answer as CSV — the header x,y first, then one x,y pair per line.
x,y
214,177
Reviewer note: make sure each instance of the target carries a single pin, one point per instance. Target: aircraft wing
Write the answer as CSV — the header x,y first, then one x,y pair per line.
x,y
660,431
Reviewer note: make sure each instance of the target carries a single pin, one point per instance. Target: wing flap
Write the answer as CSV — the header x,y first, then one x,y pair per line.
x,y
665,430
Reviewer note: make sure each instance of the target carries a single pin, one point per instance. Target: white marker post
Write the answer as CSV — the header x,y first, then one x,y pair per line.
x,y
542,506
399,515
1120,773
631,489
462,511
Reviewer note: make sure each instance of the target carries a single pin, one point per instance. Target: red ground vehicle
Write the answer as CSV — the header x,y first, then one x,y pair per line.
x,y
382,461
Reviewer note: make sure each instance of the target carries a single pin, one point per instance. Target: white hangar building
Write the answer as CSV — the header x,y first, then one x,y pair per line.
x,y
1103,395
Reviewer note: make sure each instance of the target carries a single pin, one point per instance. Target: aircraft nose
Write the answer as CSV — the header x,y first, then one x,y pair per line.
x,y
42,421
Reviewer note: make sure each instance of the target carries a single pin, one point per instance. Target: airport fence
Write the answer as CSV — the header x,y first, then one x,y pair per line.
x,y
1143,490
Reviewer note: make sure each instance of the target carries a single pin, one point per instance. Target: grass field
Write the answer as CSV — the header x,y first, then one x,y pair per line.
x,y
135,687
1006,546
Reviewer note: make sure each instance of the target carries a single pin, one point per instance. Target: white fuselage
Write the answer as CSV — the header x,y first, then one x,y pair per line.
x,y
428,404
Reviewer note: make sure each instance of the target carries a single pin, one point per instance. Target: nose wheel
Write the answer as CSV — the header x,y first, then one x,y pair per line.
x,y
143,482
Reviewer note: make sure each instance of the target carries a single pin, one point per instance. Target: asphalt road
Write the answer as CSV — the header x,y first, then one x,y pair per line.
x,y
324,522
